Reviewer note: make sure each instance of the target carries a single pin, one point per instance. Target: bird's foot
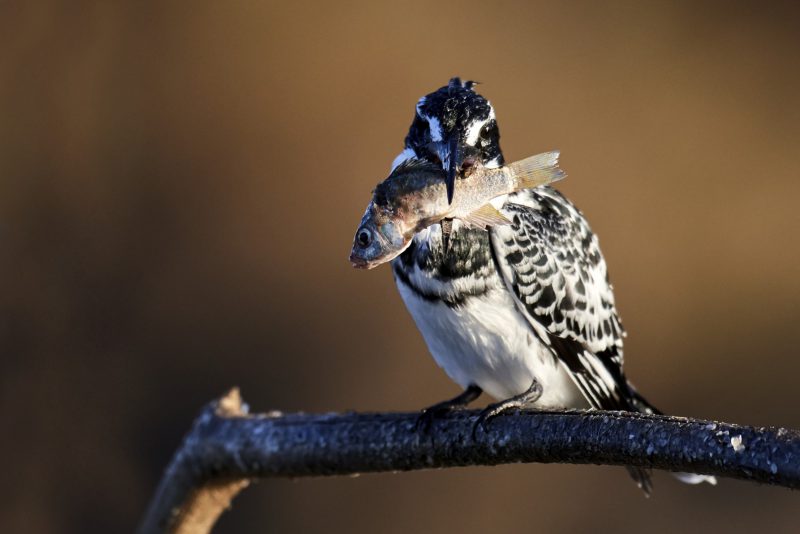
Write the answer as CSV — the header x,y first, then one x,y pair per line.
x,y
425,419
526,398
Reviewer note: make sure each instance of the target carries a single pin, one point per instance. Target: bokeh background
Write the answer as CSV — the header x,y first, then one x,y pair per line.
x,y
179,187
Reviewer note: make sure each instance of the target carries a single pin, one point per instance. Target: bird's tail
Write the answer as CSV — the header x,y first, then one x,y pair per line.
x,y
598,378
642,476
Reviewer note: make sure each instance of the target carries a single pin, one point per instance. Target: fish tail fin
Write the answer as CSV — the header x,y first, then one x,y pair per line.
x,y
537,170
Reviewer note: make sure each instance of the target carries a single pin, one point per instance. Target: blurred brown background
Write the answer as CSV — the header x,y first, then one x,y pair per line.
x,y
179,187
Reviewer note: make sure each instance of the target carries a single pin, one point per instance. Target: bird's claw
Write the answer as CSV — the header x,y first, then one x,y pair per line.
x,y
425,420
525,398
489,413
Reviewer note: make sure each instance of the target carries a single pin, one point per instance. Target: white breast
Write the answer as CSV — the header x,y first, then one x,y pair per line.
x,y
487,342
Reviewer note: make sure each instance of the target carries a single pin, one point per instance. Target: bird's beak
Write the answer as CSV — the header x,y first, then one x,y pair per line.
x,y
456,151
459,156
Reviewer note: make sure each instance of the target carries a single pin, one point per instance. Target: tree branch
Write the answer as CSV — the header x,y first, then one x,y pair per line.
x,y
226,448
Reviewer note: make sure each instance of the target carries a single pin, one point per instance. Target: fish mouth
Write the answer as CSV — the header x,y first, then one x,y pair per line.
x,y
361,263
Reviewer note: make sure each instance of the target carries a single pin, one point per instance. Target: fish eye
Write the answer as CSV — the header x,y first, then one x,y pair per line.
x,y
364,237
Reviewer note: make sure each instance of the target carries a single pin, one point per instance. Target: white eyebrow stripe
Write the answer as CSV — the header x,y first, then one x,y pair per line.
x,y
434,125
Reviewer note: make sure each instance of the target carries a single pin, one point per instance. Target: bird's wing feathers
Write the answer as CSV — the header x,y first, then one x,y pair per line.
x,y
551,262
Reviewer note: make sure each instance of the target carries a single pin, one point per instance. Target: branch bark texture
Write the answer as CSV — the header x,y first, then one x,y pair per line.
x,y
226,448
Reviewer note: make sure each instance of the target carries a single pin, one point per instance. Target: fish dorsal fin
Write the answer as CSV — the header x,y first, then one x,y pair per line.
x,y
415,164
537,170
485,216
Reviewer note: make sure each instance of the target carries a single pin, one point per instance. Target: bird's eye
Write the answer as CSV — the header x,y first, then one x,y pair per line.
x,y
364,237
486,132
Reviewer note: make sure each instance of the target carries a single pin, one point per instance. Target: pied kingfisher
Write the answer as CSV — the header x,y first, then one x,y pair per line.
x,y
524,312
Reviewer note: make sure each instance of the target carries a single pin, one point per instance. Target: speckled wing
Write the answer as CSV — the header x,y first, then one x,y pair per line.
x,y
551,262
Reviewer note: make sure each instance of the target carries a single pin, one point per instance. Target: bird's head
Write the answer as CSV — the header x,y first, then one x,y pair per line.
x,y
454,127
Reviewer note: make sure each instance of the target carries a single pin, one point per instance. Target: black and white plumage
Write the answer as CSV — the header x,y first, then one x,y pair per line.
x,y
516,305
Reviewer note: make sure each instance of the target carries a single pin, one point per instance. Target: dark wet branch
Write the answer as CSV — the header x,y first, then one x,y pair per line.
x,y
226,448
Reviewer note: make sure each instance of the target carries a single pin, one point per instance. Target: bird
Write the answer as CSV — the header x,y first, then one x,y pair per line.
x,y
524,312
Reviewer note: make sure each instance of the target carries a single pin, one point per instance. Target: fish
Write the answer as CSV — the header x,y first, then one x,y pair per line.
x,y
414,197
